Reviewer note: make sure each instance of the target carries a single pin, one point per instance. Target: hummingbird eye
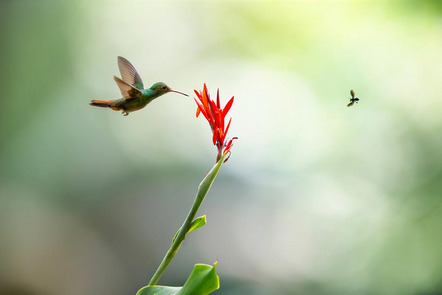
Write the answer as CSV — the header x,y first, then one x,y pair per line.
x,y
164,87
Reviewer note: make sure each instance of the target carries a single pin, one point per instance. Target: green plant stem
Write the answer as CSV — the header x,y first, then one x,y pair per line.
x,y
203,189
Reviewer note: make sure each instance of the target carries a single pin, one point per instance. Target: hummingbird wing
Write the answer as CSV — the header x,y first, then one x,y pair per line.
x,y
352,93
128,91
129,73
350,104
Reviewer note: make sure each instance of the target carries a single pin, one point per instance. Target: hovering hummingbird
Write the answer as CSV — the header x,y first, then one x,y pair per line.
x,y
353,99
135,97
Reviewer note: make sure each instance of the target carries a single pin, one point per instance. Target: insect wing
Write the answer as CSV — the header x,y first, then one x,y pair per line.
x,y
352,93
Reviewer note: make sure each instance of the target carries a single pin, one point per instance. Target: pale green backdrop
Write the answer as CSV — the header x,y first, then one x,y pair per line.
x,y
317,198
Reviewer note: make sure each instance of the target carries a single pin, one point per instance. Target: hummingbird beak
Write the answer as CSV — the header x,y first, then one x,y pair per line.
x,y
178,92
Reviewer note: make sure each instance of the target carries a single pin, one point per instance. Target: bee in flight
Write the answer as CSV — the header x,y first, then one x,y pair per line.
x,y
353,99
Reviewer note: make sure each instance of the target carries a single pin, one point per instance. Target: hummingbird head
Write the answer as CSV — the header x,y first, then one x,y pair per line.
x,y
161,88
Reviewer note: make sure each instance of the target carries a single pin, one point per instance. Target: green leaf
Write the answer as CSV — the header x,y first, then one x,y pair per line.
x,y
197,223
159,290
202,281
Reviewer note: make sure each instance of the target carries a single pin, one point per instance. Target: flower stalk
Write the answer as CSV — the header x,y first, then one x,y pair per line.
x,y
203,189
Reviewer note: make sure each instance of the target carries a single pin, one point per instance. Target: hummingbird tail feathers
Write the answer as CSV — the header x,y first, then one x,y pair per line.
x,y
100,103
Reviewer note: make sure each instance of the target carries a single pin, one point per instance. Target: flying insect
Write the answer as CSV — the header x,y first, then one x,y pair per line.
x,y
353,99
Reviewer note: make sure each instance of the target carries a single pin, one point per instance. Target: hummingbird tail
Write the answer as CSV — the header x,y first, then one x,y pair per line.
x,y
101,103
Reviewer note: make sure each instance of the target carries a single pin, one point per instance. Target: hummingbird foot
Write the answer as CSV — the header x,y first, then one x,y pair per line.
x,y
125,113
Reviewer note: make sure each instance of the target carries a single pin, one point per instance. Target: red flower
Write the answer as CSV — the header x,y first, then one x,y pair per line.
x,y
216,115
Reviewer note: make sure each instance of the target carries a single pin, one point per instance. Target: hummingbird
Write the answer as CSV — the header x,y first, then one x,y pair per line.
x,y
135,97
353,99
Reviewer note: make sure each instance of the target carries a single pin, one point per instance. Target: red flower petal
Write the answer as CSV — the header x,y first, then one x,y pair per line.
x,y
229,145
215,133
205,96
228,106
200,109
217,115
228,125
221,120
197,93
213,109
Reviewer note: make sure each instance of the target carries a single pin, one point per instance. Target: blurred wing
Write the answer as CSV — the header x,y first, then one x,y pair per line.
x,y
128,91
129,73
350,104
352,93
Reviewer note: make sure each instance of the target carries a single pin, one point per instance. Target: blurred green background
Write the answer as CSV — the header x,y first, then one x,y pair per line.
x,y
317,198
